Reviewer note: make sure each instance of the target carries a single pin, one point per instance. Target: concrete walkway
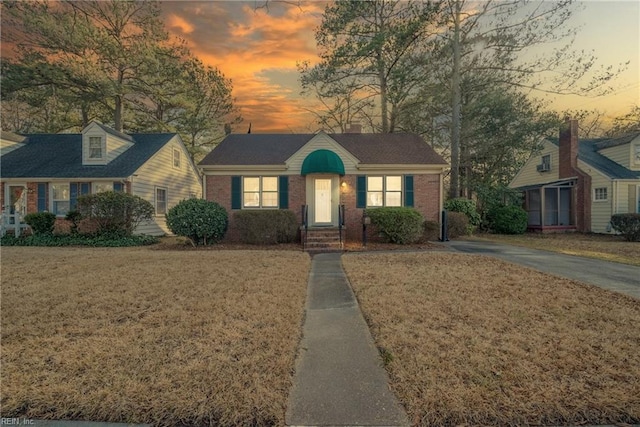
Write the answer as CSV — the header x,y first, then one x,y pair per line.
x,y
608,275
339,375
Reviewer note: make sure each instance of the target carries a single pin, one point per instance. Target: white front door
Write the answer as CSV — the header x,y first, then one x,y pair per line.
x,y
17,201
322,201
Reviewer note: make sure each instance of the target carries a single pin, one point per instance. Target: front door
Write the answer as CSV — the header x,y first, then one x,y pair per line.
x,y
322,201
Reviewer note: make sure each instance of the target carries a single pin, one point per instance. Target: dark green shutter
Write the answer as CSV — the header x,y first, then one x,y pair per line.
x,y
361,191
408,191
73,196
283,194
236,192
42,197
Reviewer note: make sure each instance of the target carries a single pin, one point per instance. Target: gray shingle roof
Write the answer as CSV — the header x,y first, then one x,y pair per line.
x,y
60,156
588,153
274,149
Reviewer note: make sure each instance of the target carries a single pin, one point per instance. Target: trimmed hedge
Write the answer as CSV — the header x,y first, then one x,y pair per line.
x,y
431,231
457,225
41,222
78,240
201,221
115,213
465,206
508,220
399,225
627,224
266,227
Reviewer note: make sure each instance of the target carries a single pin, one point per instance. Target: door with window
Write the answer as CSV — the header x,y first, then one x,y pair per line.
x,y
17,201
322,201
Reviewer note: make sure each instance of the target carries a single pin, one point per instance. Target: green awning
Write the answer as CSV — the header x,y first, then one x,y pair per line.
x,y
322,161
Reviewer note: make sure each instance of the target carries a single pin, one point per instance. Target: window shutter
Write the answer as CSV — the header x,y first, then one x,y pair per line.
x,y
408,191
633,202
361,191
118,187
73,196
42,197
283,192
236,192
85,188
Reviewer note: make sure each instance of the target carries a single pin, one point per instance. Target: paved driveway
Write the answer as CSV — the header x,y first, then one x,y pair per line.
x,y
609,275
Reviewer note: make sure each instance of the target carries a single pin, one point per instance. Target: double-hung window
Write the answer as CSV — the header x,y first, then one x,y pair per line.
x,y
60,199
600,194
260,192
177,160
384,191
95,148
161,201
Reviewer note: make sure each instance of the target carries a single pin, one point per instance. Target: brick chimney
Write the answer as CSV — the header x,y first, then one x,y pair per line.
x,y
354,128
568,162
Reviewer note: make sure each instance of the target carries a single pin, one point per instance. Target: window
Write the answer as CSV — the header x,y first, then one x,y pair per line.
x,y
260,192
546,162
95,147
101,187
384,191
161,201
636,157
176,158
600,194
60,198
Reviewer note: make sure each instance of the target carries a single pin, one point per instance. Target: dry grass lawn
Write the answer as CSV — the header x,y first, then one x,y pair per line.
x,y
477,341
144,336
599,246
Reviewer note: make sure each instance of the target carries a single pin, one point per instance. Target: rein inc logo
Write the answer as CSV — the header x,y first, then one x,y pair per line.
x,y
17,422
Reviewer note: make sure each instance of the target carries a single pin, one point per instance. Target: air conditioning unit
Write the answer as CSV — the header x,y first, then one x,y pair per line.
x,y
544,167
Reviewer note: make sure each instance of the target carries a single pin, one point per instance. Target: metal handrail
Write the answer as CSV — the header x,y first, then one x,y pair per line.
x,y
305,224
340,221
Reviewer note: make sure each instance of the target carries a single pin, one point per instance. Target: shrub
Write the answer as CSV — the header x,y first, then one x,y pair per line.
x,y
74,217
493,197
398,224
266,227
457,224
628,225
201,221
431,231
115,213
465,206
78,240
508,220
41,222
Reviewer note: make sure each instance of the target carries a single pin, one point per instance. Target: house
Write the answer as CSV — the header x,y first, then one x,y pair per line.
x,y
326,179
47,172
579,185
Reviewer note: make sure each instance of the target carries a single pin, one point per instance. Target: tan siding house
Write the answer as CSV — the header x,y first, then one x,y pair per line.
x,y
579,185
49,171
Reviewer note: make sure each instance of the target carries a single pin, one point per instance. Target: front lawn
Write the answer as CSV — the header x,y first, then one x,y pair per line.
x,y
471,340
599,246
146,336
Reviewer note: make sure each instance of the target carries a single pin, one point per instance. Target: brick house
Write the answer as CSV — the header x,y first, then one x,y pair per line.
x,y
579,184
331,176
47,172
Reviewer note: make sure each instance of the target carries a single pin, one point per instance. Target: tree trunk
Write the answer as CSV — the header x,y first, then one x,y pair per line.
x,y
117,114
454,184
383,101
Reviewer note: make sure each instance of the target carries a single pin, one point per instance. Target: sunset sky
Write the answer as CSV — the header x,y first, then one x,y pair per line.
x,y
258,49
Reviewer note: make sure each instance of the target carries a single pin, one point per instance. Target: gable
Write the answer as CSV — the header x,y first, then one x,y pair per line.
x,y
101,145
529,174
322,141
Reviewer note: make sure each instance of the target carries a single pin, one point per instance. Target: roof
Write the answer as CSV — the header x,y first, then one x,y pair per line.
x,y
10,136
60,156
588,153
368,148
614,142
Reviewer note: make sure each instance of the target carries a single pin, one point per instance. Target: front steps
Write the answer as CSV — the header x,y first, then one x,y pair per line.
x,y
323,239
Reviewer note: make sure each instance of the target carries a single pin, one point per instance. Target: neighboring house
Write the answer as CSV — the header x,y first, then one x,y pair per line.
x,y
579,185
322,172
47,172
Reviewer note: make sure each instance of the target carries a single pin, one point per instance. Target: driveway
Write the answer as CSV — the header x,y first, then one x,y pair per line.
x,y
609,275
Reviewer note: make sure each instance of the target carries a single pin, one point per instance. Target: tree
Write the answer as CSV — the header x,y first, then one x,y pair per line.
x,y
489,38
369,50
627,123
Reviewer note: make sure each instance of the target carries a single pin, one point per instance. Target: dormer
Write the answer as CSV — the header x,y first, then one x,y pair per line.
x,y
9,141
101,144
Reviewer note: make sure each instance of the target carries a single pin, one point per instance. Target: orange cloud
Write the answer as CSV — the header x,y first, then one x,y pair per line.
x,y
258,49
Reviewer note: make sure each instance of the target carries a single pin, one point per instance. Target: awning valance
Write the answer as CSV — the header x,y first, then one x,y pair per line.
x,y
322,161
